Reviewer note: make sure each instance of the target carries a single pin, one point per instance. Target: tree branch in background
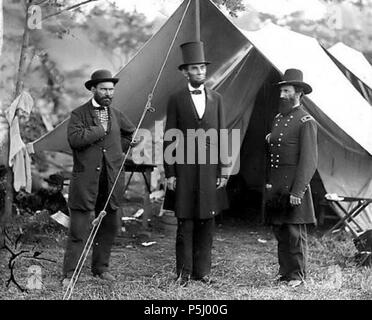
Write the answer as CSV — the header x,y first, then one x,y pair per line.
x,y
233,6
40,2
23,56
75,6
1,26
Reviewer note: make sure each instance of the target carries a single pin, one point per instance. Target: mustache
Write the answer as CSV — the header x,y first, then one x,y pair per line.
x,y
104,100
285,99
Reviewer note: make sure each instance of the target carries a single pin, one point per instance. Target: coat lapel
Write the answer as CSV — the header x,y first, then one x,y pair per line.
x,y
92,113
209,102
190,103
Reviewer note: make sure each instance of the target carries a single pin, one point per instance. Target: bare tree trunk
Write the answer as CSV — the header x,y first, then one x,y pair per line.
x,y
75,6
6,211
3,124
23,56
1,26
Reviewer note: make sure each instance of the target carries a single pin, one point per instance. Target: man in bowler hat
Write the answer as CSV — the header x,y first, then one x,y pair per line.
x,y
194,107
293,158
99,135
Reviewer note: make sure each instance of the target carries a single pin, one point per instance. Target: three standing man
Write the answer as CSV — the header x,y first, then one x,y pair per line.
x,y
195,108
99,135
293,158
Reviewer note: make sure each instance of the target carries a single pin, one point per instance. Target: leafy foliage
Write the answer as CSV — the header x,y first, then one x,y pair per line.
x,y
347,21
117,31
233,6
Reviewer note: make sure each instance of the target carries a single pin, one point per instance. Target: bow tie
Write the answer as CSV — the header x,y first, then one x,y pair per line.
x,y
100,108
195,91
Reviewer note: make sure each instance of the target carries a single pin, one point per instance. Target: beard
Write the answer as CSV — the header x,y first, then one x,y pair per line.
x,y
103,100
197,83
286,105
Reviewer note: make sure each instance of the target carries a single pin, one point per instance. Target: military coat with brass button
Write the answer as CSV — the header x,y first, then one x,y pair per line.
x,y
92,147
292,162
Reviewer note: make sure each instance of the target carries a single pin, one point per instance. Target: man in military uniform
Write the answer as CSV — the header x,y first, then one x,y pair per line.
x,y
195,107
293,160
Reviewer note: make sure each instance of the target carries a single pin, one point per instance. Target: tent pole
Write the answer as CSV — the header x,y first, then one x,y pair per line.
x,y
197,20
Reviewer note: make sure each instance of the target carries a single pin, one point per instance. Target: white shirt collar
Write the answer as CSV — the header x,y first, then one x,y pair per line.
x,y
199,100
95,103
191,88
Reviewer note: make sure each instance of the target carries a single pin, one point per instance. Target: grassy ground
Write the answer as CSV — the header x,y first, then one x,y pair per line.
x,y
244,263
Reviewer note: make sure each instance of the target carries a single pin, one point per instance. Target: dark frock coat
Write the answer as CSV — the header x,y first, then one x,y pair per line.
x,y
293,158
196,193
91,145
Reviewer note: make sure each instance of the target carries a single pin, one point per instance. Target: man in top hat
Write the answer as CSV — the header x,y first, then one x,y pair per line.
x,y
293,160
195,183
99,135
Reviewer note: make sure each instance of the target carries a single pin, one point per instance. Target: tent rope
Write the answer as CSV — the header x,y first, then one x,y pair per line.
x,y
97,221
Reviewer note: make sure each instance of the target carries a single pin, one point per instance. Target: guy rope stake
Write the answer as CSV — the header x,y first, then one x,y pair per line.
x,y
97,221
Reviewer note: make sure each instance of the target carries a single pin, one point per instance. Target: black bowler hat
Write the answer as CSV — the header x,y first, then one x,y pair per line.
x,y
55,179
192,53
100,76
294,77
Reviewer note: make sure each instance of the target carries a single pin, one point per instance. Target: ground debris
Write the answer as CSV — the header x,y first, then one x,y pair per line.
x,y
334,277
147,244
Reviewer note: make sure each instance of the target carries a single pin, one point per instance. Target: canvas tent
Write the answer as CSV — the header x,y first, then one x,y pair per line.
x,y
244,67
355,67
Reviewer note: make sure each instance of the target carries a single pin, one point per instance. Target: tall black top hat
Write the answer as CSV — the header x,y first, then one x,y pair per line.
x,y
100,76
192,53
294,77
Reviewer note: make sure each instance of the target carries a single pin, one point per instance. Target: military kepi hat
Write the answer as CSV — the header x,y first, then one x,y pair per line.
x,y
192,53
294,77
100,76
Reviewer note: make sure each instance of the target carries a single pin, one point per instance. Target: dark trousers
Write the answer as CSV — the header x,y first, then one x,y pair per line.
x,y
194,247
292,250
80,227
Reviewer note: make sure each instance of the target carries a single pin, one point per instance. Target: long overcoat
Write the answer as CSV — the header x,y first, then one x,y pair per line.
x,y
293,157
196,193
91,145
